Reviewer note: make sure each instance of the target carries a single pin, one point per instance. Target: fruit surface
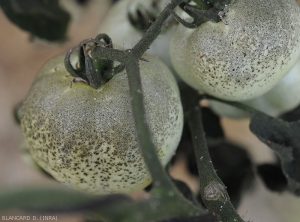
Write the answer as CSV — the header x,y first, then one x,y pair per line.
x,y
86,137
244,59
284,97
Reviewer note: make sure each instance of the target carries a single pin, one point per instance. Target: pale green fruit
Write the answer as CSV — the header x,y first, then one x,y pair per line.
x,y
86,137
244,59
284,97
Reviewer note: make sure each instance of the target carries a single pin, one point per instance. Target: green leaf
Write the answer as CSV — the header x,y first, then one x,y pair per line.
x,y
44,19
282,137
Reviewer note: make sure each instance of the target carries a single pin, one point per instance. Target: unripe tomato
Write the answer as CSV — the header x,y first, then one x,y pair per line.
x,y
284,97
86,137
247,57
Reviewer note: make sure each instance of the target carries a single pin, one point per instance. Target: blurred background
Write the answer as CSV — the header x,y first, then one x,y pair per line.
x,y
20,58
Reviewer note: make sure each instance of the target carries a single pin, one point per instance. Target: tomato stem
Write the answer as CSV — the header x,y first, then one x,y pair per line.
x,y
212,189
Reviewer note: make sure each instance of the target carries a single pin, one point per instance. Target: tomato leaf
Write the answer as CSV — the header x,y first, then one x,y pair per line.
x,y
283,138
44,19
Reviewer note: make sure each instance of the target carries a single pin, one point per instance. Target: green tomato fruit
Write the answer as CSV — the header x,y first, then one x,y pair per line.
x,y
122,30
284,97
86,137
244,59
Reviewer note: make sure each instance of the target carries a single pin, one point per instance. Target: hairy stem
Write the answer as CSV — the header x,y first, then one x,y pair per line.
x,y
142,128
212,189
153,32
162,183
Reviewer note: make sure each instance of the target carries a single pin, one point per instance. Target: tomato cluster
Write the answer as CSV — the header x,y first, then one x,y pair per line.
x,y
86,138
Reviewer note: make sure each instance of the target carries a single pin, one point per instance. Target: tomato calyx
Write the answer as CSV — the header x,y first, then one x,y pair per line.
x,y
213,11
90,69
219,5
141,14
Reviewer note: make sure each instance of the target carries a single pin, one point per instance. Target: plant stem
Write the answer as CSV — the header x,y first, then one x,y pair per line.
x,y
163,186
110,53
142,129
142,46
212,189
151,209
162,183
